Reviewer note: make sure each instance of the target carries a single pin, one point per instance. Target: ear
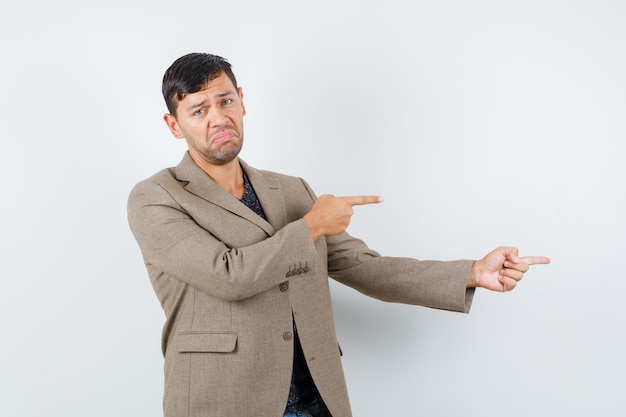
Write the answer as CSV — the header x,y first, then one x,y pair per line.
x,y
240,91
172,124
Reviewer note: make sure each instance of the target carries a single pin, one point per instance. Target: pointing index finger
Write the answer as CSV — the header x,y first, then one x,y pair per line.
x,y
363,199
534,260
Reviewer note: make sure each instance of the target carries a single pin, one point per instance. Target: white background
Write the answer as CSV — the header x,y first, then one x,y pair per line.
x,y
483,122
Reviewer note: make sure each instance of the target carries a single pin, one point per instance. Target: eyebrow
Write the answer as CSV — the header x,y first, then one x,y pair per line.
x,y
203,102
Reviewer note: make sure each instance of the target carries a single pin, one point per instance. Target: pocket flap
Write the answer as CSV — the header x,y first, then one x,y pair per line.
x,y
207,342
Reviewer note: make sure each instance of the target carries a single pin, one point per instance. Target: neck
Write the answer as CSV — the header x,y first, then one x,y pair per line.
x,y
228,176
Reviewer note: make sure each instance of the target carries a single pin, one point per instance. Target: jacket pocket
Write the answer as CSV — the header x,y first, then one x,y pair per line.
x,y
219,342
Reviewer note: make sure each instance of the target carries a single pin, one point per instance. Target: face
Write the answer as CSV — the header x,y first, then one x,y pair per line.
x,y
211,121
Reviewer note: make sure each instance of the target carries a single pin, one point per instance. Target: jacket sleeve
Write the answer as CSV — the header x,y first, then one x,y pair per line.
x,y
435,284
173,243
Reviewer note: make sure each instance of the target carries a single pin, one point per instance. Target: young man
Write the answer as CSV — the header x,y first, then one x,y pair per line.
x,y
240,258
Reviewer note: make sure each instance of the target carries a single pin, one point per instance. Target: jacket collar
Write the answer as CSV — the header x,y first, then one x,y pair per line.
x,y
267,190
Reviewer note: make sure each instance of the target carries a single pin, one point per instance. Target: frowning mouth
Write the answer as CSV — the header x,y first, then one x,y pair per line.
x,y
223,137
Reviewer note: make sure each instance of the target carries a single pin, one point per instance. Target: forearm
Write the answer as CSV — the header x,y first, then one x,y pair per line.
x,y
435,284
247,263
238,273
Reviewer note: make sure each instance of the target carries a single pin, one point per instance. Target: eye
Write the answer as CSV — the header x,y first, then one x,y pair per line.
x,y
199,112
227,101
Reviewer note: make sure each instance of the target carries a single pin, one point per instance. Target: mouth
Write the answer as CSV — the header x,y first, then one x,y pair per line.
x,y
223,137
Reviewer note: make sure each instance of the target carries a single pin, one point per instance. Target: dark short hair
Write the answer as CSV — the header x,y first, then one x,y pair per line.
x,y
189,74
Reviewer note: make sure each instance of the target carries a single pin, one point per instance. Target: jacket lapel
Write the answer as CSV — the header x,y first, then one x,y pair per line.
x,y
270,194
200,184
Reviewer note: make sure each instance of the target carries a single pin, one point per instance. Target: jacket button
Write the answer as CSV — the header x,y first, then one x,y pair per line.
x,y
284,286
287,335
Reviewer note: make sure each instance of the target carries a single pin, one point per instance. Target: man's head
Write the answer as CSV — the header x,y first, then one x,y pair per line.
x,y
206,108
190,74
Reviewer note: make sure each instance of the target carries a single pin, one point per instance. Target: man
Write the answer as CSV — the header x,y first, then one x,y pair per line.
x,y
240,258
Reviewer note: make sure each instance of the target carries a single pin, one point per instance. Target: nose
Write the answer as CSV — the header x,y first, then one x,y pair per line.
x,y
219,116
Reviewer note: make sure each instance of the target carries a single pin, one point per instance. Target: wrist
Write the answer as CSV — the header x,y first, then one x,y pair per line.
x,y
473,278
314,231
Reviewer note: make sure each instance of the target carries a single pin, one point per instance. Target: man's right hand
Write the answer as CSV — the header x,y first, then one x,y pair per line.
x,y
331,215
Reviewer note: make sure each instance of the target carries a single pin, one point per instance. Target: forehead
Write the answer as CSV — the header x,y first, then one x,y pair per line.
x,y
214,89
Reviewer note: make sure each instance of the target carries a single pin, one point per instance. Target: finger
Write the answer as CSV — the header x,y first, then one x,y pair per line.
x,y
511,273
508,283
362,199
511,253
535,260
520,266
